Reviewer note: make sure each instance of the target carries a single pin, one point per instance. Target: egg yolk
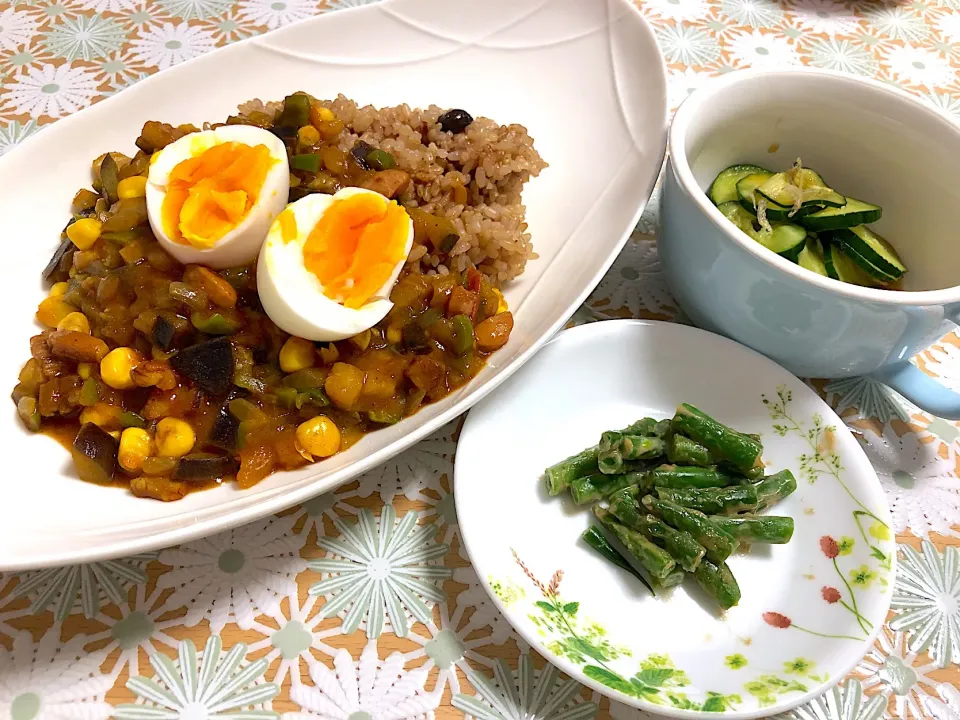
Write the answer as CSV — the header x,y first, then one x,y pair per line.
x,y
210,194
355,247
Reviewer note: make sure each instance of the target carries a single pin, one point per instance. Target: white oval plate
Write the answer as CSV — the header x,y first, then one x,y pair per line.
x,y
586,78
794,631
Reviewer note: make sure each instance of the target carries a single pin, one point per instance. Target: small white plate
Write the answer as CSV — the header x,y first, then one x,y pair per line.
x,y
794,632
585,78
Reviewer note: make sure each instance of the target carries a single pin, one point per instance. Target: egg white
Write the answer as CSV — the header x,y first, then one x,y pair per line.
x,y
241,245
293,296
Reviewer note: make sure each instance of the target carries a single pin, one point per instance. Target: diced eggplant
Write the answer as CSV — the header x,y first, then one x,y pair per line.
x,y
66,247
200,467
209,364
163,333
94,454
360,151
224,433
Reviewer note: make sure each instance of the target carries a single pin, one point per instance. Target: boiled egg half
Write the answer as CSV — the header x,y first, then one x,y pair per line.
x,y
330,261
212,195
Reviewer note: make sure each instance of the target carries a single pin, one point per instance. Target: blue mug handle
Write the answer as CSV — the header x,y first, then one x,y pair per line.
x,y
918,387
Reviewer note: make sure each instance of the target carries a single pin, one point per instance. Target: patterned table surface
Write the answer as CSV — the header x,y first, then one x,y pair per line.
x,y
287,598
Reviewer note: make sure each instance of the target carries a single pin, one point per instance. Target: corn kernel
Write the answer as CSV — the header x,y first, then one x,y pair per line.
x,y
52,310
502,303
84,370
84,232
296,354
394,335
329,354
75,321
308,135
175,438
362,341
318,437
58,289
325,114
116,366
135,447
132,187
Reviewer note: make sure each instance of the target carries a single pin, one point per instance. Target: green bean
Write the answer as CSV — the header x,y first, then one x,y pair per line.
x,y
655,560
719,583
643,426
672,580
772,529
599,486
560,476
599,543
682,546
713,501
678,477
741,451
684,451
718,543
637,447
774,488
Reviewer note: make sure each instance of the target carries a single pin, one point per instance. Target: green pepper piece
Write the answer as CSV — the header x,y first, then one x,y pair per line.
x,y
385,417
311,377
296,111
237,277
121,237
309,162
129,419
380,160
428,318
90,392
286,397
462,335
215,324
314,396
109,178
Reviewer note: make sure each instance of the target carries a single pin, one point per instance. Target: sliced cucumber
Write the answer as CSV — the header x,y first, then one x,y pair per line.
x,y
746,187
724,187
782,238
842,268
813,177
864,264
855,212
874,250
785,239
778,189
811,258
736,214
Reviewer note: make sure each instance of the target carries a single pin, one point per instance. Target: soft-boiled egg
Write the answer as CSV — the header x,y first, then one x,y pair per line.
x,y
330,261
212,195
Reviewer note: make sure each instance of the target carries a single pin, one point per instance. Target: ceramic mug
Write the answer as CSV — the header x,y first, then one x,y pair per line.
x,y
866,139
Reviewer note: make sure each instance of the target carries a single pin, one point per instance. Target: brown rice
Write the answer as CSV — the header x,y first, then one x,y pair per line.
x,y
491,161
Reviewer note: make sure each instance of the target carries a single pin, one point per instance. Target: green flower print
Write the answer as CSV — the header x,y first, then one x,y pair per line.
x,y
862,576
735,661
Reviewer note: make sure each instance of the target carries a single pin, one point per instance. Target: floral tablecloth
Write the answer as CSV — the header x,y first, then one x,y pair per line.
x,y
303,614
